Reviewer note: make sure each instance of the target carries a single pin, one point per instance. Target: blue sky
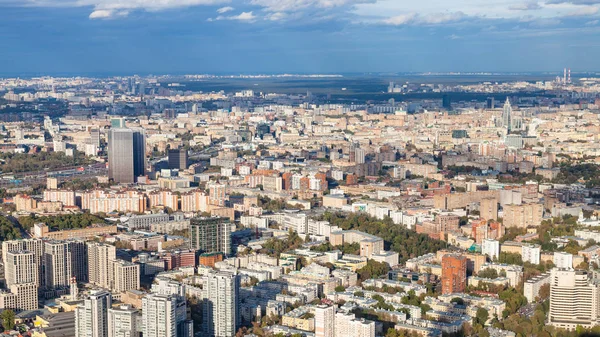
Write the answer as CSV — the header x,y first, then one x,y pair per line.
x,y
307,36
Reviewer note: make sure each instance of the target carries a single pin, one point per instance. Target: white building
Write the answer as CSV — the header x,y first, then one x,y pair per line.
x,y
123,322
531,253
91,317
221,304
563,260
324,321
573,299
491,248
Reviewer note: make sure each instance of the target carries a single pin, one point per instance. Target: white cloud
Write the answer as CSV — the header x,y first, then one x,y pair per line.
x,y
244,16
583,11
526,6
106,9
278,16
225,9
297,5
429,19
592,23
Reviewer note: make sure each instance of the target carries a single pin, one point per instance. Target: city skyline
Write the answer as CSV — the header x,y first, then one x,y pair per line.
x,y
295,36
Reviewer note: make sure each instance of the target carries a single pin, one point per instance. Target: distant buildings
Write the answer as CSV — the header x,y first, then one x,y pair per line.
x,y
178,159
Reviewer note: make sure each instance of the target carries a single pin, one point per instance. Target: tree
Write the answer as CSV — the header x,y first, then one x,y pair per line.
x,y
8,319
340,289
481,316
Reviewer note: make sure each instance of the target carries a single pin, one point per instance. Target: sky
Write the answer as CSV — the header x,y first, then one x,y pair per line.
x,y
124,37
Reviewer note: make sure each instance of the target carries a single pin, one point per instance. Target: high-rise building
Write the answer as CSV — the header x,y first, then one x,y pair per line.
x,y
100,257
123,322
35,246
220,307
20,267
120,155
91,317
165,316
488,209
489,103
57,264
574,299
79,260
506,116
126,154
324,321
359,156
139,152
211,235
125,276
454,274
178,159
523,216
20,297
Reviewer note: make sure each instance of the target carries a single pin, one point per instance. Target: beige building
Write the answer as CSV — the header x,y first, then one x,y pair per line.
x,y
125,276
523,216
20,267
100,257
100,201
488,209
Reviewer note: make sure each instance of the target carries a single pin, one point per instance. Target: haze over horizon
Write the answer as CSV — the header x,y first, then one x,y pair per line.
x,y
296,36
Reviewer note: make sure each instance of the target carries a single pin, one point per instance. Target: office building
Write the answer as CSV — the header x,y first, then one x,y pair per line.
x,y
454,274
574,299
178,159
91,317
507,116
57,264
220,307
79,260
117,123
324,321
123,322
211,235
100,257
126,155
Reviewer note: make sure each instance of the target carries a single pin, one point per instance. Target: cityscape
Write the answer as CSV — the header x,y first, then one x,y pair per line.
x,y
299,168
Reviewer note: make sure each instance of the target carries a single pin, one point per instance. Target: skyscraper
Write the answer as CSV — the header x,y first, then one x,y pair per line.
x,y
91,317
57,264
139,152
178,159
35,246
211,235
120,155
126,154
20,267
454,274
506,116
100,257
220,307
79,260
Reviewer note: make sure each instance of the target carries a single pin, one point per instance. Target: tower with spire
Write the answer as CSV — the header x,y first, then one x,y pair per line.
x,y
506,116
